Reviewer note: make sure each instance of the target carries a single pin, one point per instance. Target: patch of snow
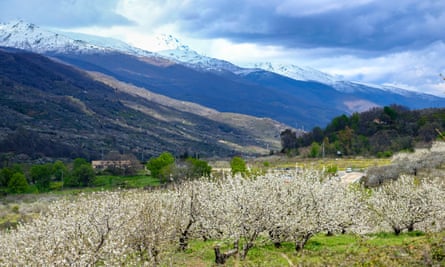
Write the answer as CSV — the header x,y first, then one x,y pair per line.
x,y
108,43
296,72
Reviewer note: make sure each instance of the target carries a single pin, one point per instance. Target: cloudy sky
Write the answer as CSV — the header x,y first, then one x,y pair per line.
x,y
378,41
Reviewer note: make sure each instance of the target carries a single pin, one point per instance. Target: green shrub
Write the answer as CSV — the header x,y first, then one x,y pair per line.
x,y
18,184
238,165
385,154
155,165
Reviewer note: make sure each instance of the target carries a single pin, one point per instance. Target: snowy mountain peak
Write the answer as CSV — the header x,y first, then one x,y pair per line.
x,y
163,42
27,36
19,25
172,48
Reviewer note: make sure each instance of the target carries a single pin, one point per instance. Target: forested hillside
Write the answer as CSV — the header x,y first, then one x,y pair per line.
x,y
49,109
379,132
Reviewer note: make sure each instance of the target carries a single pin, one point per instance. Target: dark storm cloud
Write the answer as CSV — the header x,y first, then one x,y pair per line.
x,y
63,13
370,25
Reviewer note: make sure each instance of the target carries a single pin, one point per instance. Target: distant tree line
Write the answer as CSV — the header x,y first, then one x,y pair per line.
x,y
36,178
380,131
43,177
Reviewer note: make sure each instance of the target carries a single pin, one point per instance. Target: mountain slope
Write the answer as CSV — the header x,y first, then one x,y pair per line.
x,y
225,92
292,95
51,109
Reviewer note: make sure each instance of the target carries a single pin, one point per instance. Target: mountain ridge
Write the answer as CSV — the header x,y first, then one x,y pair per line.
x,y
181,73
168,47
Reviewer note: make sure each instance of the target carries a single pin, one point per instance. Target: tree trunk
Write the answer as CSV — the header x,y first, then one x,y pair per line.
x,y
153,252
183,242
246,248
410,227
183,239
397,230
277,244
275,237
221,258
299,244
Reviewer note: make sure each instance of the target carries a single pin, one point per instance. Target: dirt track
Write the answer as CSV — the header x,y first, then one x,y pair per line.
x,y
351,177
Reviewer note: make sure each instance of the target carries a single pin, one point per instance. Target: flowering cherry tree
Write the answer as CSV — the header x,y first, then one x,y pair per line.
x,y
403,203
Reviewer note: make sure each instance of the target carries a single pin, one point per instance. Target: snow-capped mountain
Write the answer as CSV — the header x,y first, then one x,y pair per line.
x,y
170,47
30,37
310,74
173,49
27,36
289,94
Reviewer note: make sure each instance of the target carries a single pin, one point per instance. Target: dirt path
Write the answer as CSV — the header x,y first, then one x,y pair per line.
x,y
288,260
351,177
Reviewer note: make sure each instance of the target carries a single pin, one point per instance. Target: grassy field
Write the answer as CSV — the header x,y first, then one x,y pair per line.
x,y
134,181
407,249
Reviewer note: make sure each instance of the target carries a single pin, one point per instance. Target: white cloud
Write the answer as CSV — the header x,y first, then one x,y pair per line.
x,y
417,70
241,53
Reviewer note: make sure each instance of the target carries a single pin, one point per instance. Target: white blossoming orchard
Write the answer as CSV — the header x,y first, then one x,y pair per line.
x,y
138,227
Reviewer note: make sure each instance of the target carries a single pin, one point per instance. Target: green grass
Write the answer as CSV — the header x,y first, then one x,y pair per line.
x,y
134,181
389,239
106,182
385,249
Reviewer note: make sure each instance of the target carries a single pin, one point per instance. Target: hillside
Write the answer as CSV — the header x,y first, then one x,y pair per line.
x,y
54,110
379,131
